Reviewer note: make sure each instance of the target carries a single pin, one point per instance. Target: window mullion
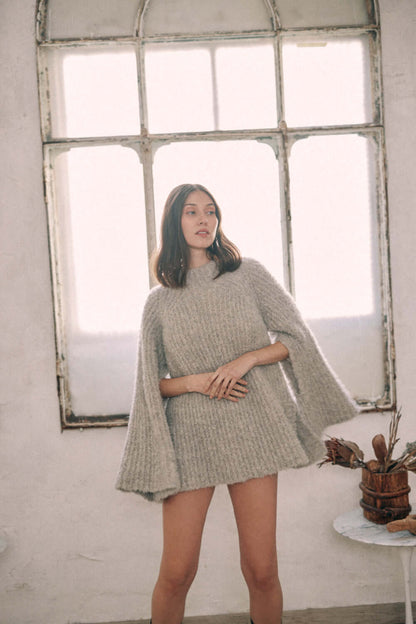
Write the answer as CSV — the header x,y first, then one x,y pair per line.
x,y
44,94
284,184
141,85
277,45
212,53
322,31
57,281
199,37
145,152
375,77
388,399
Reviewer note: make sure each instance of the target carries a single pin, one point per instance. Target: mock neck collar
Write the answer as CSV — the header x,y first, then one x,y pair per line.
x,y
202,274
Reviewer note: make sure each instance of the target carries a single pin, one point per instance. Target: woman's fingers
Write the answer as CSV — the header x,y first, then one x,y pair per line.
x,y
236,386
210,382
229,387
214,385
240,389
223,380
220,385
222,389
233,399
235,395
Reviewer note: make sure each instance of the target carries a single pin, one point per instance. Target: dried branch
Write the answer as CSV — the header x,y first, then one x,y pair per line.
x,y
393,439
346,453
407,459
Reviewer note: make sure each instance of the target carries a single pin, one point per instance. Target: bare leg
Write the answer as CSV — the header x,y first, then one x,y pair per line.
x,y
254,503
183,522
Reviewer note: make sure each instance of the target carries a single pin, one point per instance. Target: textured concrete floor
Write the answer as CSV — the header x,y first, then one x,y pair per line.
x,y
393,613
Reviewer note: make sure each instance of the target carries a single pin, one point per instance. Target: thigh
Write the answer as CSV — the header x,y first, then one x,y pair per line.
x,y
255,503
183,521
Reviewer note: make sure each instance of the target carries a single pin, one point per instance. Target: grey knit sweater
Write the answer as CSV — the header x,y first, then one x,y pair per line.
x,y
191,441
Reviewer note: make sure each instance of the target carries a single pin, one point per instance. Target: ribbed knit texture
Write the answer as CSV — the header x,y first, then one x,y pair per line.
x,y
191,441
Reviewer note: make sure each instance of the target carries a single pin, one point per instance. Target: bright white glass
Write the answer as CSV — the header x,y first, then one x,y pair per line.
x,y
207,86
246,82
105,239
333,225
326,82
335,249
179,88
105,277
243,177
94,91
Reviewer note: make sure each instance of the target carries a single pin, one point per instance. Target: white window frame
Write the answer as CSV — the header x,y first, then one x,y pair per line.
x,y
281,138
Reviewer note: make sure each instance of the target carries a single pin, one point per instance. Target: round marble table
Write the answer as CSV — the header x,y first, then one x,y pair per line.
x,y
353,525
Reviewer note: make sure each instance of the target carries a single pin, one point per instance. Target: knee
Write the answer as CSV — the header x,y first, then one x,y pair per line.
x,y
177,579
260,578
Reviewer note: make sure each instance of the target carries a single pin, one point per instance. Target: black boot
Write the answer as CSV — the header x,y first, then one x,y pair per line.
x,y
251,621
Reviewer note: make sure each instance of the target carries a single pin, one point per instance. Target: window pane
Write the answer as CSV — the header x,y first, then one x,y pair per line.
x,y
179,88
207,86
326,82
243,177
94,91
336,254
323,12
105,277
206,16
246,86
91,18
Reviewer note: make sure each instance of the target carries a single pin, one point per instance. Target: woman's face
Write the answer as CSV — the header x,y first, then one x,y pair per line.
x,y
199,222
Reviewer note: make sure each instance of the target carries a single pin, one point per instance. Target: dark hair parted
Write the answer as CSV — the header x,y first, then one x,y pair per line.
x,y
172,258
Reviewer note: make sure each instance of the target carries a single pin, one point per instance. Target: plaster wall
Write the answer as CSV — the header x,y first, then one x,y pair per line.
x,y
80,551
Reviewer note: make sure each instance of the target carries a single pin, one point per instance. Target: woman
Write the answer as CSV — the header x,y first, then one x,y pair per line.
x,y
230,388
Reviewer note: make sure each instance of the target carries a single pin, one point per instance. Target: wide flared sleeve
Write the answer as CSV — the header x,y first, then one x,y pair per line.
x,y
321,398
148,465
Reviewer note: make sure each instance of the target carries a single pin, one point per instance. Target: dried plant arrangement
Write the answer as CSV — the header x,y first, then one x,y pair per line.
x,y
348,454
384,486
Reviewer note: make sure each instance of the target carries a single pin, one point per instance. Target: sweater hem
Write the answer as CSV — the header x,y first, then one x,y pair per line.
x,y
243,477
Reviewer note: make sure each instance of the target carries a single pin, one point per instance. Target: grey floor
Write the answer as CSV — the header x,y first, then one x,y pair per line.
x,y
392,613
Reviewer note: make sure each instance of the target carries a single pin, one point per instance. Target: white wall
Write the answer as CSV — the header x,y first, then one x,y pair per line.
x,y
78,550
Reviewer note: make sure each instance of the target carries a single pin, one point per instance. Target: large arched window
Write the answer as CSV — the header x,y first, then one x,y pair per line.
x,y
276,107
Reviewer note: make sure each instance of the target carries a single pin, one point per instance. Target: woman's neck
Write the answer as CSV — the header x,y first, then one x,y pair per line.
x,y
197,258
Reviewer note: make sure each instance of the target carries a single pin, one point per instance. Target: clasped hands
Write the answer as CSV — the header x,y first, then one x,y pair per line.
x,y
227,381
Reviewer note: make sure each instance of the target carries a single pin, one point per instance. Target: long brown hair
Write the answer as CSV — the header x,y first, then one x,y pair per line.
x,y
170,262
